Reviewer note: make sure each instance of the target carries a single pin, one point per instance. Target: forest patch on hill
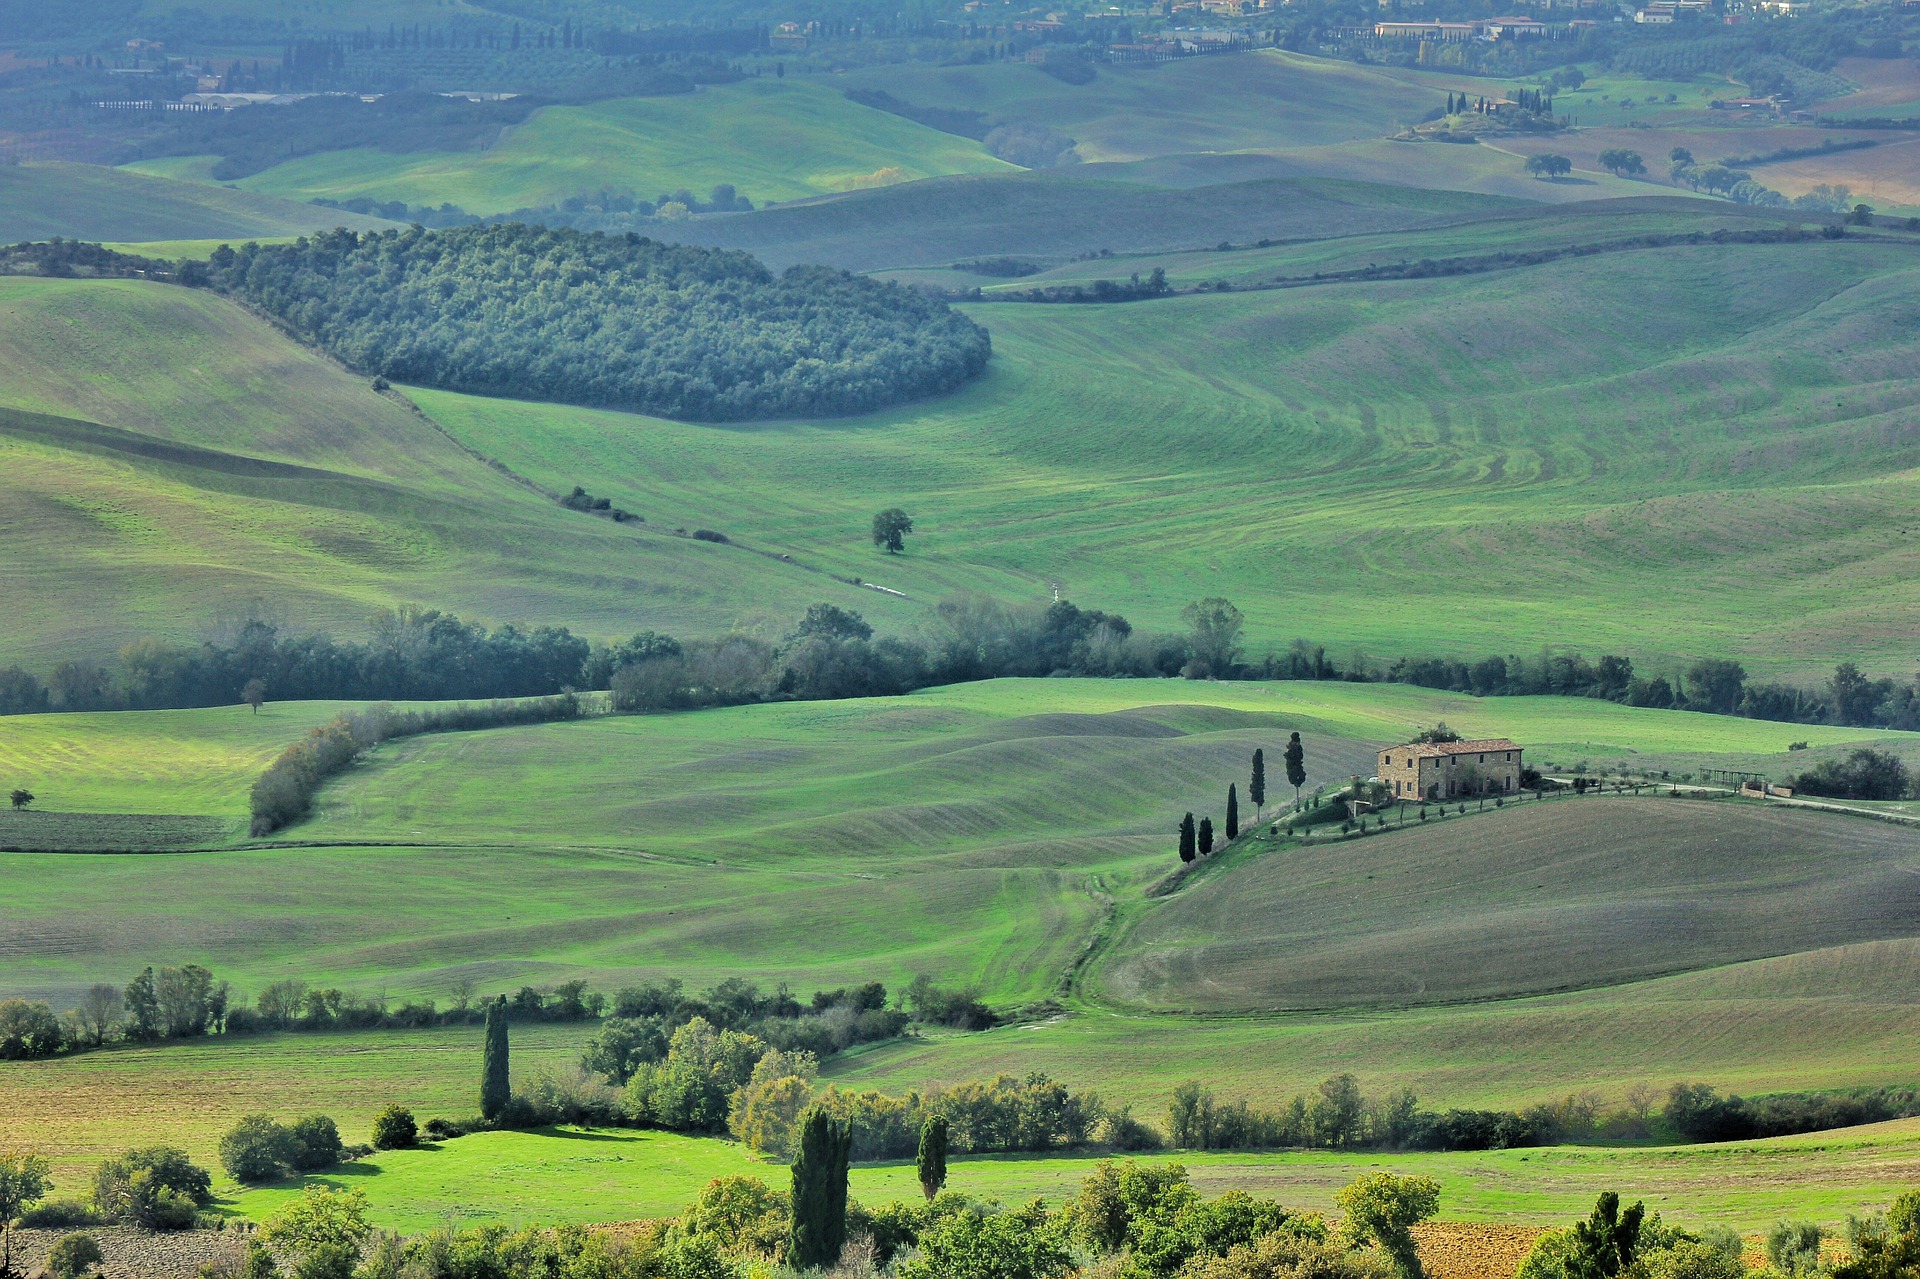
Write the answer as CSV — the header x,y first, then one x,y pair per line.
x,y
609,321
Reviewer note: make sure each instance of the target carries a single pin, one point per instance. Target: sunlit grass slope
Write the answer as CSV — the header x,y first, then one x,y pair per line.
x,y
89,202
1595,451
772,139
179,463
561,1175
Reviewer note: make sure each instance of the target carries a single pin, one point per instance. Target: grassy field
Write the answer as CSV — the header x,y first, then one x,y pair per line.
x,y
1376,431
1373,430
573,1175
1247,265
89,202
772,139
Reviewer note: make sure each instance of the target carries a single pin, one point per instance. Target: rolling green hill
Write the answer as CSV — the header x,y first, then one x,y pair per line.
x,y
1484,463
987,833
89,202
179,462
772,139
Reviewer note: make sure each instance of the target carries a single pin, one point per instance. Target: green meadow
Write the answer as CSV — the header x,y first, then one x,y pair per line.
x,y
772,139
569,1174
1483,484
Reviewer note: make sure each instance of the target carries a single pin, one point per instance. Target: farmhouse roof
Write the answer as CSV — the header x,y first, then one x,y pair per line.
x,y
1479,746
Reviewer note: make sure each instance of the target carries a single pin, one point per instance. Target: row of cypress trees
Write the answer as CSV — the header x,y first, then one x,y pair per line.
x,y
1197,840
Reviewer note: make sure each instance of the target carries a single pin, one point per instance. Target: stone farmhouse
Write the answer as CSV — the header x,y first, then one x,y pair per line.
x,y
1448,770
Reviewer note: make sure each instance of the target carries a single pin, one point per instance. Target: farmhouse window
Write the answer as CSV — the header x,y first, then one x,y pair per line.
x,y
1483,759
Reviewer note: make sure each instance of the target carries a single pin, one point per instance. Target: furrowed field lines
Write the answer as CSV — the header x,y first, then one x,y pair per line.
x,y
1380,432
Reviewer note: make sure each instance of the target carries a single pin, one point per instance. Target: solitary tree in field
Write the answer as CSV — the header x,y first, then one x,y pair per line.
x,y
23,1181
890,529
1206,836
254,694
21,798
1233,811
1257,787
1213,638
932,1160
1296,758
819,1193
1186,838
495,1088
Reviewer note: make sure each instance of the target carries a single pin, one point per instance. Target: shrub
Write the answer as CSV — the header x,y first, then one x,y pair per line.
x,y
394,1129
313,1142
255,1149
61,1214
73,1256
1383,1207
319,1227
708,535
157,1187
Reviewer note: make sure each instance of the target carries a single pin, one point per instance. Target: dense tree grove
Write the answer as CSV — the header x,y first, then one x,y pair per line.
x,y
613,321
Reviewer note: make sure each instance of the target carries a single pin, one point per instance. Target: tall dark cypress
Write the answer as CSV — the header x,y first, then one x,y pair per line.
x,y
1206,836
932,1159
495,1088
1257,788
819,1192
1296,757
1186,838
1233,811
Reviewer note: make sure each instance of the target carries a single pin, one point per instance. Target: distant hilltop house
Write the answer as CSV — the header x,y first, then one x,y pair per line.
x,y
1447,770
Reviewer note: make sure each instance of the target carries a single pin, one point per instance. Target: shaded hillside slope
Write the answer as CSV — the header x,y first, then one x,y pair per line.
x,y
1064,214
89,202
1537,897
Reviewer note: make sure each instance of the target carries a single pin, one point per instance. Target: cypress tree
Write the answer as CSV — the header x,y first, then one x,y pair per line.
x,y
819,1193
1206,836
1257,788
1186,838
1296,767
495,1090
932,1160
1233,811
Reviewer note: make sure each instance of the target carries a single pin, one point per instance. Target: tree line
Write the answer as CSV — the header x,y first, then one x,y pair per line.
x,y
831,652
610,321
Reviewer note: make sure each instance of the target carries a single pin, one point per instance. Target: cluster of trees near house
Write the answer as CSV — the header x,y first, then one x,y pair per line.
x,y
694,333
